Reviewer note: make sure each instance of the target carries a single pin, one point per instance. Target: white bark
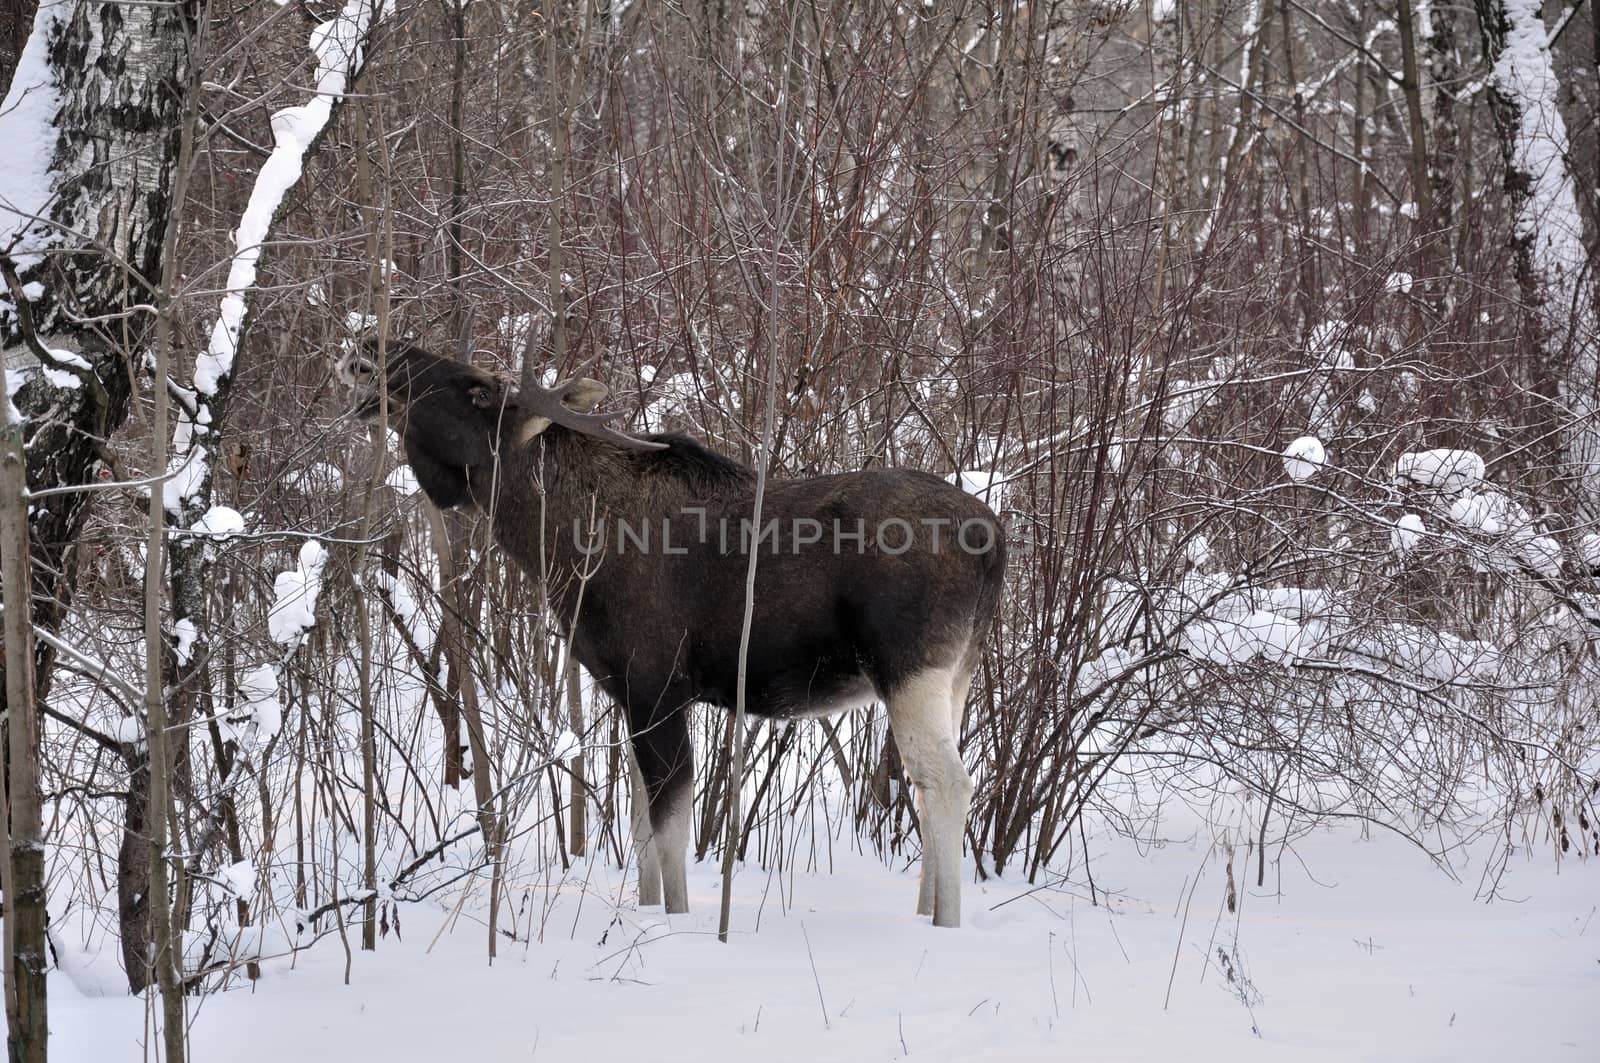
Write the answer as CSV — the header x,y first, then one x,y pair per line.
x,y
1549,221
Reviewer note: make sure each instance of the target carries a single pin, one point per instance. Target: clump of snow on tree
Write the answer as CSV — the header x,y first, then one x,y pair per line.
x,y
187,471
1406,535
1423,651
1304,458
259,714
219,522
1589,551
1441,470
1549,218
295,593
61,378
1541,553
1399,282
15,378
183,636
1233,641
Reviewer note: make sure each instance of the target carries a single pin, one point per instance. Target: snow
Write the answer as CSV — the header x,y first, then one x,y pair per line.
x,y
338,45
15,378
61,378
1472,511
1407,533
220,522
239,879
1353,949
1223,641
27,129
184,634
566,745
402,479
129,731
1327,345
1542,553
259,708
1399,282
1589,551
1489,512
1304,458
1103,669
1197,551
1185,401
187,472
990,487
295,593
1422,651
1442,470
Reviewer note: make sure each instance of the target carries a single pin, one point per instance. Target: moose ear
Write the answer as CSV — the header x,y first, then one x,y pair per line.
x,y
532,427
584,395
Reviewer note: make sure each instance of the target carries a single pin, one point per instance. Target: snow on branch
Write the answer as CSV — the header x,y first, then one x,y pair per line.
x,y
295,592
339,46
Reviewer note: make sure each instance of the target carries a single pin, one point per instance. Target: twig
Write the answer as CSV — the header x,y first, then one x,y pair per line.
x,y
815,978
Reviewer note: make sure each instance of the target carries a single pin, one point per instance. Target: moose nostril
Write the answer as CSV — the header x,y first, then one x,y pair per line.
x,y
351,371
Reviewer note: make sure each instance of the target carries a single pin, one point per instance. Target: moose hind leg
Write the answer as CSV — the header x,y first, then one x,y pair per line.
x,y
665,760
925,883
644,838
921,715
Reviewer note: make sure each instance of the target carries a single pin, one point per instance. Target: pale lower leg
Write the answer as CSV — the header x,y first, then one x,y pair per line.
x,y
670,818
925,885
922,717
644,839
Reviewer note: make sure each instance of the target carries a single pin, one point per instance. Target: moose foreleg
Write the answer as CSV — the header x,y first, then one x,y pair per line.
x,y
644,838
665,760
672,833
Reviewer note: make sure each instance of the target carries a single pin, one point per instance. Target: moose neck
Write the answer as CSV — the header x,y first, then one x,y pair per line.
x,y
551,491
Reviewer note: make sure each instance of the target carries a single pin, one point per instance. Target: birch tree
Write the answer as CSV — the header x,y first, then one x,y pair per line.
x,y
1552,261
93,116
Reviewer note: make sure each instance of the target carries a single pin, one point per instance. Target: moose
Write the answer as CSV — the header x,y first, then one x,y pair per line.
x,y
878,585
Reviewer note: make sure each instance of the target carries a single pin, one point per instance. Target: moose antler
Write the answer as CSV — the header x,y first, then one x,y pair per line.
x,y
549,403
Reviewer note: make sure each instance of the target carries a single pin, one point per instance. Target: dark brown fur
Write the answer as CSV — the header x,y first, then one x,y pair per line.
x,y
659,628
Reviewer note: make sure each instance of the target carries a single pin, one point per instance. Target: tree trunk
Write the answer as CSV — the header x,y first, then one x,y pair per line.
x,y
1551,258
23,861
113,79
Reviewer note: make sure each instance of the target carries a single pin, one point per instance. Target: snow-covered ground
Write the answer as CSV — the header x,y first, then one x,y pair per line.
x,y
1356,949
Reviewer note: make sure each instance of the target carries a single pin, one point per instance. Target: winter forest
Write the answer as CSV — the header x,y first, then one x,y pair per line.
x,y
1269,330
